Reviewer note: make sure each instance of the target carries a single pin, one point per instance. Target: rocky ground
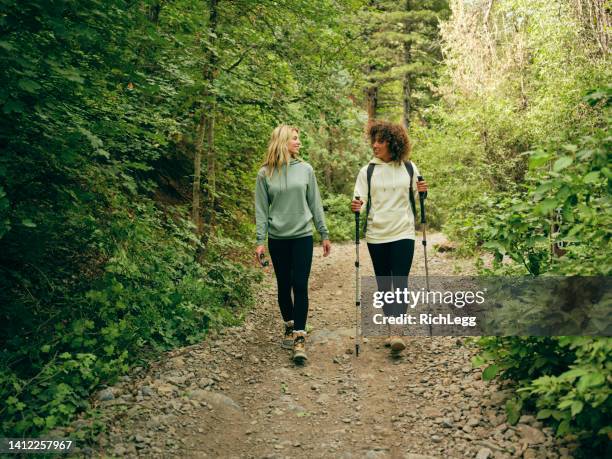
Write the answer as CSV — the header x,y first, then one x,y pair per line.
x,y
238,395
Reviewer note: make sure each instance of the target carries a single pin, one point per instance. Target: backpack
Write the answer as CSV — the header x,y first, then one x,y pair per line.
x,y
370,171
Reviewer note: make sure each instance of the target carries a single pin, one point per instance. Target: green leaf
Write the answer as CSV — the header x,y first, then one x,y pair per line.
x,y
6,45
562,163
563,428
570,147
538,160
576,407
46,348
29,85
591,177
565,404
495,246
544,414
513,410
543,188
574,373
38,421
547,206
590,380
490,372
478,361
50,422
28,223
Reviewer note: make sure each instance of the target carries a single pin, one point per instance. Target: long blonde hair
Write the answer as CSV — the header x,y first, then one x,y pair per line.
x,y
278,150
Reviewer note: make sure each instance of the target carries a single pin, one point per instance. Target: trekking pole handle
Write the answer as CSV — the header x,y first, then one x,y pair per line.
x,y
422,196
357,221
262,260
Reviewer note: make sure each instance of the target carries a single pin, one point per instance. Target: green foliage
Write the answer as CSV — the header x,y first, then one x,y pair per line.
x,y
564,200
401,55
99,108
521,158
339,218
566,380
150,297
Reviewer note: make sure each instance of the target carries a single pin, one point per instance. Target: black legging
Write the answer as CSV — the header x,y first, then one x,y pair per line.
x,y
392,262
292,259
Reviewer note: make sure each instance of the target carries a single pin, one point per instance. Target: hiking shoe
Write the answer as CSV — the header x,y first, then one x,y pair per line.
x,y
299,347
397,344
287,342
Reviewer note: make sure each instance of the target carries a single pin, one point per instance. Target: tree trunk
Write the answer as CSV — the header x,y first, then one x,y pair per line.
x,y
406,86
197,164
210,74
330,153
154,10
211,168
206,127
407,101
371,102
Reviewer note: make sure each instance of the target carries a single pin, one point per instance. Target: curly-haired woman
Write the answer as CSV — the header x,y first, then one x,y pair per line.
x,y
390,219
286,200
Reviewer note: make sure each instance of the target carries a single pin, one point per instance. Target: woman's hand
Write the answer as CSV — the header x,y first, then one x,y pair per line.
x,y
258,253
422,186
326,247
356,205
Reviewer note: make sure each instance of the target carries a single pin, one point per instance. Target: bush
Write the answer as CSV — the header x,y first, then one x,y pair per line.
x,y
566,200
566,380
150,295
339,218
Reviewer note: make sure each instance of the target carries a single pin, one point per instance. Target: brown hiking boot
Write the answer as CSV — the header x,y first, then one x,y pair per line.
x,y
299,347
287,342
397,344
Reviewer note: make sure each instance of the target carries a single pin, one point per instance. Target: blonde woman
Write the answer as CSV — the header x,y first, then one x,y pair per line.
x,y
286,200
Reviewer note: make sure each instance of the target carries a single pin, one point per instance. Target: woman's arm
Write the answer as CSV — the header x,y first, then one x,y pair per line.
x,y
262,208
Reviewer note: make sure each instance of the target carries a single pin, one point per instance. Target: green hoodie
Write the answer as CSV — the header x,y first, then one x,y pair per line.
x,y
287,201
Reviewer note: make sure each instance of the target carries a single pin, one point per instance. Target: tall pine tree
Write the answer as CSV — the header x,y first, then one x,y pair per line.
x,y
402,39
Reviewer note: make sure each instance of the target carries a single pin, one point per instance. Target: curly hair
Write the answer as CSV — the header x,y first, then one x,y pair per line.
x,y
395,135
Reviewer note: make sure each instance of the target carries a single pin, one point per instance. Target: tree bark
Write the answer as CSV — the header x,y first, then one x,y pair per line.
x,y
371,102
154,10
197,165
407,101
211,168
330,153
206,126
406,83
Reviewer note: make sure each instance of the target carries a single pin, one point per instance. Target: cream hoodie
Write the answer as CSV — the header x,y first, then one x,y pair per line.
x,y
390,217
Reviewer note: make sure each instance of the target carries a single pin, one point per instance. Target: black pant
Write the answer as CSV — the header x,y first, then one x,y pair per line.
x,y
292,259
392,262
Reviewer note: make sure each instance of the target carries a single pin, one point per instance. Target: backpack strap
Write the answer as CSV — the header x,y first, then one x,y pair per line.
x,y
369,203
410,170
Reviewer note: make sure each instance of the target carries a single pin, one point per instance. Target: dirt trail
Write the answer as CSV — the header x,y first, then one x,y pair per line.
x,y
238,395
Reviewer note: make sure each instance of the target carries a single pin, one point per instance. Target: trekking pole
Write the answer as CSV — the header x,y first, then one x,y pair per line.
x,y
357,283
422,196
